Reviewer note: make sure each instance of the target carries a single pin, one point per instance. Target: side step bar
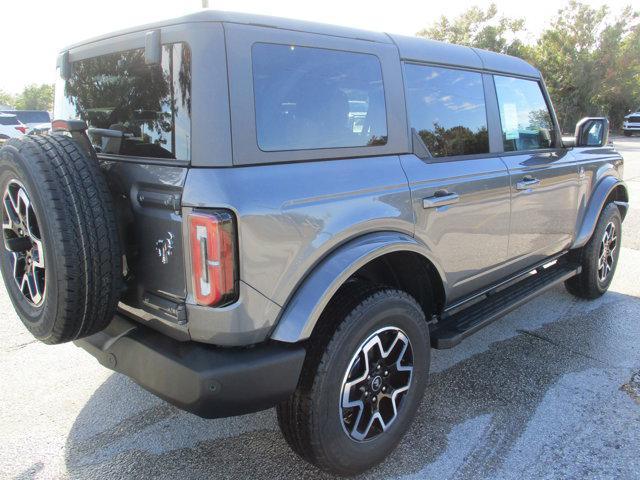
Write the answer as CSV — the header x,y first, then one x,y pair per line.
x,y
460,325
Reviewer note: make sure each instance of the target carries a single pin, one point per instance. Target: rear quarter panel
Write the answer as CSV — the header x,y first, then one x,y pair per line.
x,y
292,215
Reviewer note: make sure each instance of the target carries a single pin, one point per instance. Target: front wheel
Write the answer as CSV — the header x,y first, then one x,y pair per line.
x,y
599,257
361,384
627,133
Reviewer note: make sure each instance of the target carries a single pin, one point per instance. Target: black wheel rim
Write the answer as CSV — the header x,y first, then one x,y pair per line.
x,y
608,248
23,242
375,384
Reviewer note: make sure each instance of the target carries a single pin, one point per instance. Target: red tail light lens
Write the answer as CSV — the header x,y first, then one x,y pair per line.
x,y
213,257
22,129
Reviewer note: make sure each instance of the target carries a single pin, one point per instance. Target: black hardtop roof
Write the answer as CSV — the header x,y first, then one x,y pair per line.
x,y
410,48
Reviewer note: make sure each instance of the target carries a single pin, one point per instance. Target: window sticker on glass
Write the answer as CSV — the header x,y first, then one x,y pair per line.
x,y
526,120
510,113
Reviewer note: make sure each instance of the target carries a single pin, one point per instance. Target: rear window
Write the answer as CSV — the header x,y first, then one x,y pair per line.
x,y
32,116
311,98
8,120
132,108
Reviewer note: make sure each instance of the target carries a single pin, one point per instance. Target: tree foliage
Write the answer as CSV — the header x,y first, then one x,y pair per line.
x,y
33,97
479,28
589,58
6,98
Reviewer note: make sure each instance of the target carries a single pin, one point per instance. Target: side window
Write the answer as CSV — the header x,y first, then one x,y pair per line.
x,y
308,98
132,108
526,122
447,109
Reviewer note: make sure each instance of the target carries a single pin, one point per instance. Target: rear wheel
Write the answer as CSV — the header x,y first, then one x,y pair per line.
x,y
362,384
61,260
627,133
599,257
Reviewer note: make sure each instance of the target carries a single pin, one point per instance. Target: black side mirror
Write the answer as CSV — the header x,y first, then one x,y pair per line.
x,y
592,132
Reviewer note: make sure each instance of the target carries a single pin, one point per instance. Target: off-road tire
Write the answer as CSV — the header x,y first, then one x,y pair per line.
x,y
82,253
587,284
311,419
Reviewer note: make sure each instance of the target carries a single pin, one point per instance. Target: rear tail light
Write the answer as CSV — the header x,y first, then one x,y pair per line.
x,y
22,129
213,257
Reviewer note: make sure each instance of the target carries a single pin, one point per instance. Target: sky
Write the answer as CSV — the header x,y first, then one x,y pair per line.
x,y
33,32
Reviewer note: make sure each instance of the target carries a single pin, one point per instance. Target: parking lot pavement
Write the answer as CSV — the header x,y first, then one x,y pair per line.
x,y
552,390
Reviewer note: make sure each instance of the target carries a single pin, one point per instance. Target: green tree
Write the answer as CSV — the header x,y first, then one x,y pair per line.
x,y
589,60
35,97
6,98
479,28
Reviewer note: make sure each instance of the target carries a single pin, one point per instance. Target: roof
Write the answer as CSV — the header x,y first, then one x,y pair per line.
x,y
432,51
411,48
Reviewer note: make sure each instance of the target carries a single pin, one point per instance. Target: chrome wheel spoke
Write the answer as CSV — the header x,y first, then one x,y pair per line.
x,y
376,380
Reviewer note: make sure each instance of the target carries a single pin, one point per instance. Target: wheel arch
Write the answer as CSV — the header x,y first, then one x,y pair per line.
x,y
395,258
609,189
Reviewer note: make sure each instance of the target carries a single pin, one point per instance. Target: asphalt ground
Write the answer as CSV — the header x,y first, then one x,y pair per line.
x,y
550,391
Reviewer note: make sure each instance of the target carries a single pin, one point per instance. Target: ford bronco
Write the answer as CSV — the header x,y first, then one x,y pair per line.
x,y
242,212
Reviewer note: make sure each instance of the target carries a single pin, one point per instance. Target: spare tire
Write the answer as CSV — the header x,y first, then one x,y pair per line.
x,y
61,261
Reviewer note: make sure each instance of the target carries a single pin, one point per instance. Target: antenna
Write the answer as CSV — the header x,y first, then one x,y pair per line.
x,y
205,3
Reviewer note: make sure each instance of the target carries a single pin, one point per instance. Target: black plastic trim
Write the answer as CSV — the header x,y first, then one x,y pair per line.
x,y
207,381
459,326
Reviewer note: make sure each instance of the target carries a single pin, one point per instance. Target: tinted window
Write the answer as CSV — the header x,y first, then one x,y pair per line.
x,y
34,117
31,116
145,110
8,120
309,98
447,109
526,122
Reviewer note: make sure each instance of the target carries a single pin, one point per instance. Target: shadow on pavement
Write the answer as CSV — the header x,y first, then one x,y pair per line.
x,y
504,384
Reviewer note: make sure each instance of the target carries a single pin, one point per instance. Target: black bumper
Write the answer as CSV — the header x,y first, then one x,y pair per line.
x,y
208,381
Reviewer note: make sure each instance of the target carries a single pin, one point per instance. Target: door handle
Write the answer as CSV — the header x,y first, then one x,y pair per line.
x,y
440,199
526,183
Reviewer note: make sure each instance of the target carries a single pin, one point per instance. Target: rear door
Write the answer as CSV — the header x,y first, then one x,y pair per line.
x,y
544,176
460,192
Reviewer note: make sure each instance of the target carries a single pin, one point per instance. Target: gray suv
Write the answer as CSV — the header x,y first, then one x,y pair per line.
x,y
242,212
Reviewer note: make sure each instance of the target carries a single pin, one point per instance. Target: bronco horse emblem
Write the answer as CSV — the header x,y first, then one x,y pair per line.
x,y
164,248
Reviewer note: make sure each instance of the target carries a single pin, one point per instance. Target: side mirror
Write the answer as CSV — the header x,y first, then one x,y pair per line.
x,y
592,132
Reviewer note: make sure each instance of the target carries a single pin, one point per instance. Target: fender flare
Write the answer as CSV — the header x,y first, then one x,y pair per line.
x,y
303,310
597,202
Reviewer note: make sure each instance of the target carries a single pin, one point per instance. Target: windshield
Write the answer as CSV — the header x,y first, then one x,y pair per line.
x,y
8,120
31,116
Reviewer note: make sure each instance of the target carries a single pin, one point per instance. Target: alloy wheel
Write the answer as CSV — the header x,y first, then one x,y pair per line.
x,y
608,247
375,384
23,242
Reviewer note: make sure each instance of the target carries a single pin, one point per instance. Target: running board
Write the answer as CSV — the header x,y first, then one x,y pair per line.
x,y
451,331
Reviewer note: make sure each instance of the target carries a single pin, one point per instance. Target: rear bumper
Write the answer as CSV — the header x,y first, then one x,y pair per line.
x,y
207,381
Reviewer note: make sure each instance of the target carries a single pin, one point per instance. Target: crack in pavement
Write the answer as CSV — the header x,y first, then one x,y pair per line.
x,y
564,347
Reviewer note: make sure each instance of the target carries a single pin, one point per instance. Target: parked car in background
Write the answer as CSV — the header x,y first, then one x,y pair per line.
x,y
631,123
11,127
36,121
